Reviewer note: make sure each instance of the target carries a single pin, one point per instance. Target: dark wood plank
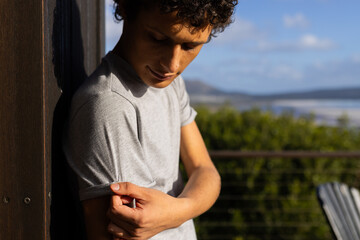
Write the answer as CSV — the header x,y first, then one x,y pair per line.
x,y
44,46
22,125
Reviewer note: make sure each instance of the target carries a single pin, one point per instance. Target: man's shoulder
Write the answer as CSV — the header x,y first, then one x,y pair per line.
x,y
102,84
99,81
101,92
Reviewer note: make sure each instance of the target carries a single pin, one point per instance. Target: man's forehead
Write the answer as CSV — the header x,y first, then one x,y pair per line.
x,y
174,25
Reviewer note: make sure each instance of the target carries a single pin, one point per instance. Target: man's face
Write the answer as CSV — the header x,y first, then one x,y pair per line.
x,y
159,47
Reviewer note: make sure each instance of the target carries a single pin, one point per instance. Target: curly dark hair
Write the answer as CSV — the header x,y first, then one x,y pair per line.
x,y
196,13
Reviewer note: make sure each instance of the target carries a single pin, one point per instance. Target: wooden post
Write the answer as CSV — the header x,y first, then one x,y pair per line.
x,y
45,46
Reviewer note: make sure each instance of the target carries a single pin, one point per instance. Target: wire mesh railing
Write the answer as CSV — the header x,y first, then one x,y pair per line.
x,y
272,195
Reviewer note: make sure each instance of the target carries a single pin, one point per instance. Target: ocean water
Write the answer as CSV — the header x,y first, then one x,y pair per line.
x,y
326,111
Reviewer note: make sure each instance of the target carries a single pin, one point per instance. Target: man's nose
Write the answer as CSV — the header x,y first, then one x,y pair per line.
x,y
171,59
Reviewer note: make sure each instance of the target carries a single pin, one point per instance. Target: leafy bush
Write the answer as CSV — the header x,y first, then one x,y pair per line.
x,y
273,198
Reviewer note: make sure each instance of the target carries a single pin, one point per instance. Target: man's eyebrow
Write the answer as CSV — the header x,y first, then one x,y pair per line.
x,y
199,42
155,29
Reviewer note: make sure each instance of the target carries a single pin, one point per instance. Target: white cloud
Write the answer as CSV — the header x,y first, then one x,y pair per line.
x,y
246,34
285,72
264,75
248,74
304,43
339,73
240,30
296,21
356,58
289,1
309,41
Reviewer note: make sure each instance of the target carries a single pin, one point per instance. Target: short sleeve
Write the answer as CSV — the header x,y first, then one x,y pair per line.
x,y
102,147
187,113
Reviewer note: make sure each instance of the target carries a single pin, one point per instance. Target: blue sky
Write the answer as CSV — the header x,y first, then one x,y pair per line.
x,y
278,46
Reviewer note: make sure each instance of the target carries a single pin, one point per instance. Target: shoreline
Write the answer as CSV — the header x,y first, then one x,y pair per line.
x,y
326,111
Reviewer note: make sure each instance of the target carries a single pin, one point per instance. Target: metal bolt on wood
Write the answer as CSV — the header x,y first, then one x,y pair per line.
x,y
6,200
27,200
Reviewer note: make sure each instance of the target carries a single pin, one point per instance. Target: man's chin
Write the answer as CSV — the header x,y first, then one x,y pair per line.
x,y
159,84
162,85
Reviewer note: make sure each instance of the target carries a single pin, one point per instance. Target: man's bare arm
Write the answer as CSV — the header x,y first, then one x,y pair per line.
x,y
203,186
95,218
157,211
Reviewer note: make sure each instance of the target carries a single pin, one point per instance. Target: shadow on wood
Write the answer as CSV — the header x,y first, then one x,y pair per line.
x,y
68,59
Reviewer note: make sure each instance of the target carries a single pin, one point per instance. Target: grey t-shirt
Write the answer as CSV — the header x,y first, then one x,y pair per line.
x,y
121,130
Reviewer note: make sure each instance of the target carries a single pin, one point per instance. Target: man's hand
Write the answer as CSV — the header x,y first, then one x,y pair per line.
x,y
154,212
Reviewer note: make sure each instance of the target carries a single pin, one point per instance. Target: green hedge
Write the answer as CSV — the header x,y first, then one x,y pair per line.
x,y
273,198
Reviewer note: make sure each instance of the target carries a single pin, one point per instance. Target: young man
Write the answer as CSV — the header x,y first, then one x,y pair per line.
x,y
131,119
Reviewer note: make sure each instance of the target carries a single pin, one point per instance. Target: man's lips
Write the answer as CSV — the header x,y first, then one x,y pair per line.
x,y
161,76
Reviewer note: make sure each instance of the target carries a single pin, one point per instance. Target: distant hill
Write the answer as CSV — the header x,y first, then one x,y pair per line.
x,y
202,93
198,88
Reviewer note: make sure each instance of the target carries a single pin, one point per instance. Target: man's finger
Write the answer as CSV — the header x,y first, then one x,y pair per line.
x,y
118,232
116,200
128,189
121,200
119,212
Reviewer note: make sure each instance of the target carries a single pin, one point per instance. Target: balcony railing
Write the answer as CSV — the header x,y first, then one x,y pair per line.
x,y
284,154
272,195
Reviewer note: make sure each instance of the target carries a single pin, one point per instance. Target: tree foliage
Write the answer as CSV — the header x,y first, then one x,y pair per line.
x,y
273,198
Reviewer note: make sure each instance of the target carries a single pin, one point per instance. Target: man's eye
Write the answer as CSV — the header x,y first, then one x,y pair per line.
x,y
188,47
157,38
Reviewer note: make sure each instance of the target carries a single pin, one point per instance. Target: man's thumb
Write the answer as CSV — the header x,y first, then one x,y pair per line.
x,y
126,188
